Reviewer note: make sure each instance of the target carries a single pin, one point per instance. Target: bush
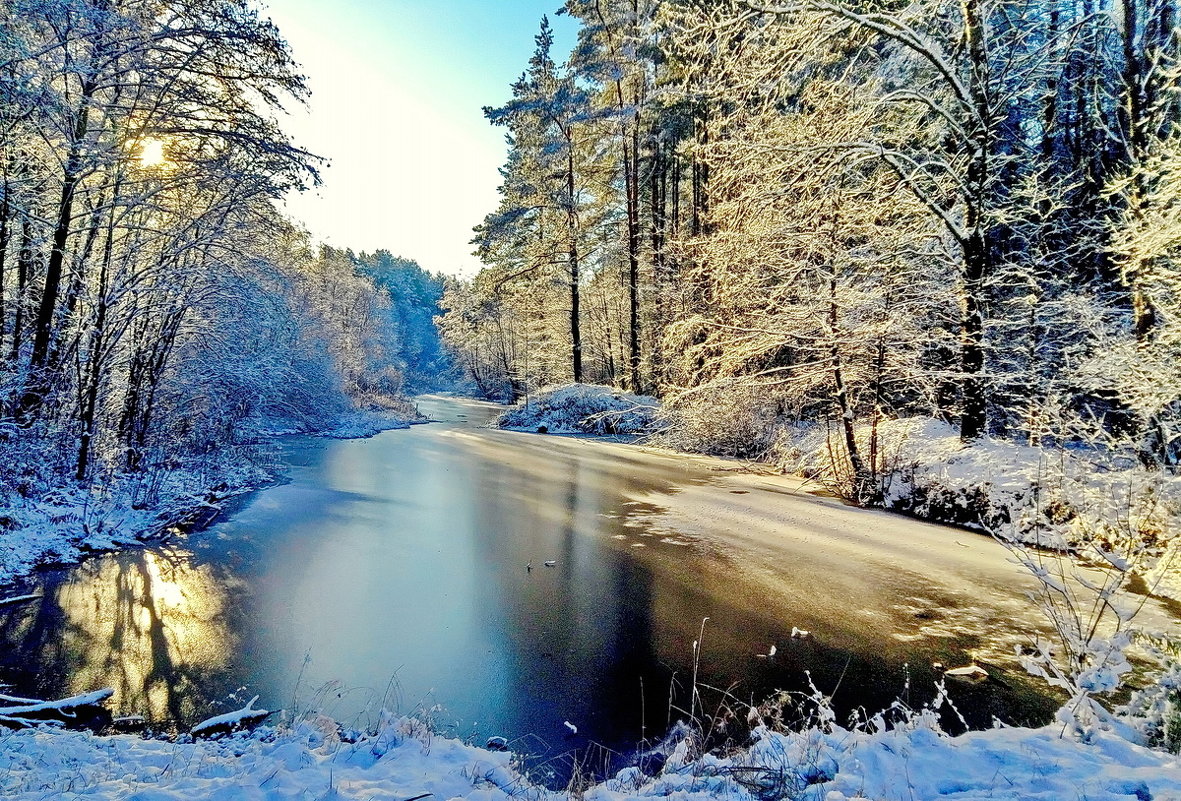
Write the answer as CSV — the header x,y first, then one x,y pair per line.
x,y
726,421
1155,710
583,409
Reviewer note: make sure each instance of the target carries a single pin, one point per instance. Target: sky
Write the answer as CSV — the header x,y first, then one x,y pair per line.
x,y
397,92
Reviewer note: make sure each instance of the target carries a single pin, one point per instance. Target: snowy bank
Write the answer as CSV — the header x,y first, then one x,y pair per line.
x,y
1064,499
582,409
42,525
364,424
316,759
63,525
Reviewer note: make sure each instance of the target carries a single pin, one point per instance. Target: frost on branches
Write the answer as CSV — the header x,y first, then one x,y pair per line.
x,y
158,317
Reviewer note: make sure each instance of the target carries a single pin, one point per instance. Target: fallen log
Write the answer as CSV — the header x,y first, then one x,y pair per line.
x,y
19,599
230,720
77,708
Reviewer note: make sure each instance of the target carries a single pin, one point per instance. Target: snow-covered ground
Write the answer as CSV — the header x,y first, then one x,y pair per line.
x,y
582,409
315,759
62,525
1072,499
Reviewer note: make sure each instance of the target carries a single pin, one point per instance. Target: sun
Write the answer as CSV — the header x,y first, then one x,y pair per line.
x,y
151,153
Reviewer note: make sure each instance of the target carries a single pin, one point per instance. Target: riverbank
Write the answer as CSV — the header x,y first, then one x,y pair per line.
x,y
56,526
403,760
1098,503
450,515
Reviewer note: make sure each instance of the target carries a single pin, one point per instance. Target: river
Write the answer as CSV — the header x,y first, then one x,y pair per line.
x,y
393,572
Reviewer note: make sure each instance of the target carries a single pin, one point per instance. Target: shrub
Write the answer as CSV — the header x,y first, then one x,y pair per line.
x,y
723,421
583,409
1155,710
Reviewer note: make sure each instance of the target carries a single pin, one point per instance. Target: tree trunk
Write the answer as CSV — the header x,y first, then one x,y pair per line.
x,y
974,415
861,490
675,215
976,254
1134,125
24,269
657,195
575,278
57,354
5,213
43,324
96,353
631,166
38,383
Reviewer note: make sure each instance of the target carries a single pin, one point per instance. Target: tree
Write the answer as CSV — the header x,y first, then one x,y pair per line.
x,y
199,71
818,266
958,68
611,56
542,196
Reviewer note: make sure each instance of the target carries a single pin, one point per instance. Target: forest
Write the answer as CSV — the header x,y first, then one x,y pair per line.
x,y
158,314
919,256
926,254
845,214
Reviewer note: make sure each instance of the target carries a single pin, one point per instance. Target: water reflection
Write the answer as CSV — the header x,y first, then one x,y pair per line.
x,y
150,624
392,572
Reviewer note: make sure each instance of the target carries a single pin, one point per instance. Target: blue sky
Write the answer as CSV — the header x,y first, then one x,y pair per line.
x,y
398,87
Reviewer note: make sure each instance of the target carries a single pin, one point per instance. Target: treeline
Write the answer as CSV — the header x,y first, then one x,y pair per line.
x,y
414,295
845,212
154,306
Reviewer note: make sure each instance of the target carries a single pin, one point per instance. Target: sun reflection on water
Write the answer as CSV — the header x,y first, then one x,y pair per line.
x,y
151,625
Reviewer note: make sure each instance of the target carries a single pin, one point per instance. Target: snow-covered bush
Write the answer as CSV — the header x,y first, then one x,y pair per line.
x,y
725,420
1155,710
583,409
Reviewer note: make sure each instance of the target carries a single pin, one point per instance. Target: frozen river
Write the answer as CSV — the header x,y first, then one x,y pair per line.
x,y
392,572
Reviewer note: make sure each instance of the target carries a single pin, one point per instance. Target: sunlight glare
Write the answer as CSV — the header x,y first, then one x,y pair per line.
x,y
167,617
151,153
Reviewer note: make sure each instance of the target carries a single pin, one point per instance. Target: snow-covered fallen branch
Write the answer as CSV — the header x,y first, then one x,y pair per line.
x,y
231,720
30,711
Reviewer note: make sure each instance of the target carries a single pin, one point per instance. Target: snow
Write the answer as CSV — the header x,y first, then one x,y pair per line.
x,y
238,717
63,525
923,764
968,673
1070,499
403,759
583,409
364,423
